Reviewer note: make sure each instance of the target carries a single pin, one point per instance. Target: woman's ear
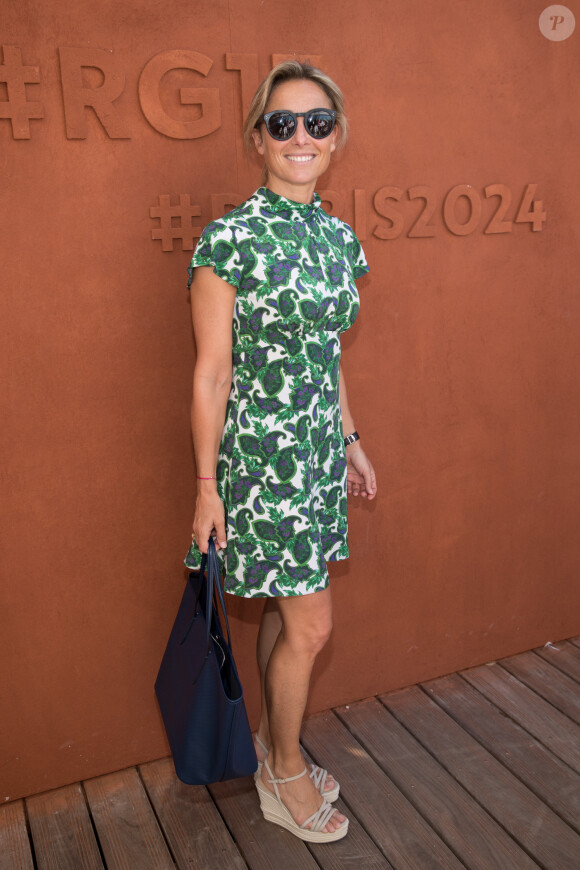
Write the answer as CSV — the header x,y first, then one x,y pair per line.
x,y
257,137
334,136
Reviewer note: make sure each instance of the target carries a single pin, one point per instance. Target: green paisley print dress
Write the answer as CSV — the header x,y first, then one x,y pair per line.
x,y
282,470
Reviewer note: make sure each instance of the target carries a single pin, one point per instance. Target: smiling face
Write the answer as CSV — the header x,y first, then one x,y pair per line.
x,y
294,166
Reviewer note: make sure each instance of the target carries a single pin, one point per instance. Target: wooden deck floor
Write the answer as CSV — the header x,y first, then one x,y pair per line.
x,y
477,770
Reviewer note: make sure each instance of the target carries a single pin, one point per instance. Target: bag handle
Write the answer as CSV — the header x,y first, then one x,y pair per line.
x,y
210,566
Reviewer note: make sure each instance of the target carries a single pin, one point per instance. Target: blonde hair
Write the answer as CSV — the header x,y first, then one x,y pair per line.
x,y
291,70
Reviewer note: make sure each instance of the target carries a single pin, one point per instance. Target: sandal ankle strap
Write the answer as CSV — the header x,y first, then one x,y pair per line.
x,y
276,782
288,778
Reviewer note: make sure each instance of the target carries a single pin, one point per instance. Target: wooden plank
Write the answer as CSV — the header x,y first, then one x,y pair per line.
x,y
541,719
62,832
355,849
467,829
575,641
240,806
265,846
402,834
530,822
563,655
548,777
15,852
549,682
194,829
126,825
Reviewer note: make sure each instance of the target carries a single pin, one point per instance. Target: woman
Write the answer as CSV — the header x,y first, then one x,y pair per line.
x,y
272,288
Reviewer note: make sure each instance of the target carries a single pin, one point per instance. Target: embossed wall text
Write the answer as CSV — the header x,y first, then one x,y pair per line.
x,y
176,219
207,98
20,106
77,96
17,108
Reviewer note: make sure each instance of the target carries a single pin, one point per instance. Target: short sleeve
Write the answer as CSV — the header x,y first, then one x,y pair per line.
x,y
357,258
216,250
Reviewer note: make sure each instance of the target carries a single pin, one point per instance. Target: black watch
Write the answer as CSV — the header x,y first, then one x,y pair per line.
x,y
350,439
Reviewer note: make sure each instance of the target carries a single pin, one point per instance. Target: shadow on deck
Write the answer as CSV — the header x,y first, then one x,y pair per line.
x,y
476,770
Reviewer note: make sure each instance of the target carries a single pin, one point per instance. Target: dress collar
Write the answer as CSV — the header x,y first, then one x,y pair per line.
x,y
287,209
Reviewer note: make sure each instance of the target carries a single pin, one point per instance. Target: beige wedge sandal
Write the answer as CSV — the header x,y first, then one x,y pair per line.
x,y
312,830
318,775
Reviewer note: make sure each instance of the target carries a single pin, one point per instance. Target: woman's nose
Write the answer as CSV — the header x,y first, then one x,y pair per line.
x,y
301,134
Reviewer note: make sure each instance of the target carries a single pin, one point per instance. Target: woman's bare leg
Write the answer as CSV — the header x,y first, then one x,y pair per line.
x,y
306,626
270,626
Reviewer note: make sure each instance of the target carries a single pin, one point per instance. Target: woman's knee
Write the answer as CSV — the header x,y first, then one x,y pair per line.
x,y
309,640
308,631
321,633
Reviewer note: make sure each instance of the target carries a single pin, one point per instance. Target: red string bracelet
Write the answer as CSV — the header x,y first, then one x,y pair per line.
x,y
206,478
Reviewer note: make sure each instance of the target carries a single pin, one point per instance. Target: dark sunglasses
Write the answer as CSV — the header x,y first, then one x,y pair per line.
x,y
283,124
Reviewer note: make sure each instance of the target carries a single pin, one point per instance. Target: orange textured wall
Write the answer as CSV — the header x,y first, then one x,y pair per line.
x,y
463,367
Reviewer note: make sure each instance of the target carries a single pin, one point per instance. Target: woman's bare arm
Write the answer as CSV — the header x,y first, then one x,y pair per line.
x,y
212,308
360,474
347,421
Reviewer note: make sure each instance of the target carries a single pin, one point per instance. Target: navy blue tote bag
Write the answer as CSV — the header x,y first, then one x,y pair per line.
x,y
198,688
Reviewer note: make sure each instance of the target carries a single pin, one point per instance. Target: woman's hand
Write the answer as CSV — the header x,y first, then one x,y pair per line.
x,y
360,475
209,518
